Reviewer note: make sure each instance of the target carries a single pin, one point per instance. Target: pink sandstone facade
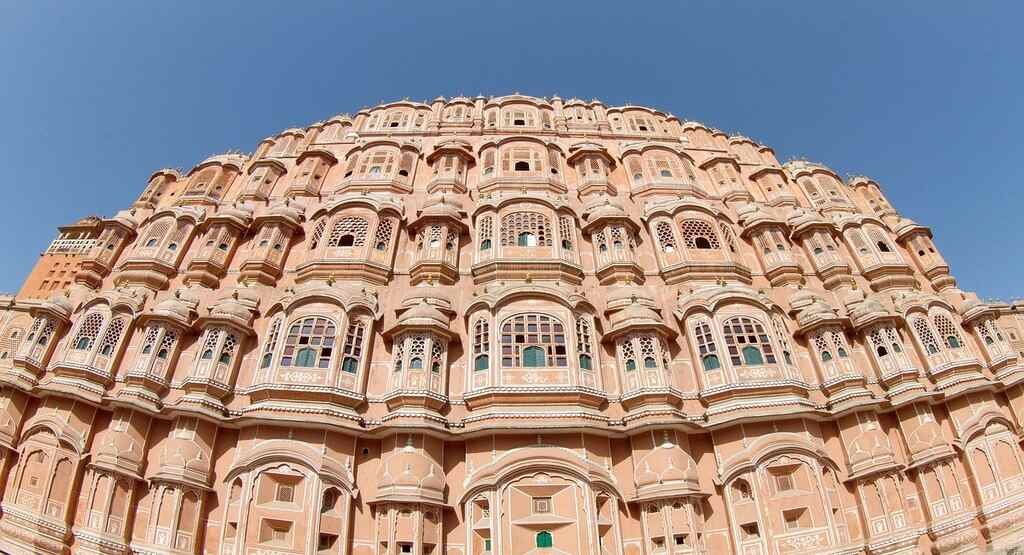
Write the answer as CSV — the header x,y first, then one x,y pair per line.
x,y
509,325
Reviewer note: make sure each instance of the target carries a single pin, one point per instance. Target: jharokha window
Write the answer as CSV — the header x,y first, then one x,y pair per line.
x,y
485,233
666,238
747,342
533,341
353,351
481,345
525,229
583,343
698,234
348,232
706,345
309,344
925,335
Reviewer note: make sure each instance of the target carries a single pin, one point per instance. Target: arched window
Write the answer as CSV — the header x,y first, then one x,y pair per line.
x,y
727,235
533,340
948,331
698,234
268,347
782,334
318,233
598,239
349,231
88,332
437,349
925,335
353,352
112,336
382,236
742,490
747,342
481,345
583,343
565,229
666,238
309,344
707,350
485,233
544,539
218,344
525,229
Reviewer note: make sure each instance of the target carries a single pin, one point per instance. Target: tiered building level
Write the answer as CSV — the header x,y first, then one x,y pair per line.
x,y
509,325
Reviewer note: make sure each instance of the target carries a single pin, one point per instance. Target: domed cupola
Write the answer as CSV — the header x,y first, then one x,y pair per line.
x,y
769,235
274,227
409,500
614,237
51,319
450,163
666,471
98,262
817,236
438,230
163,327
410,475
640,336
812,310
222,232
419,345
226,325
917,240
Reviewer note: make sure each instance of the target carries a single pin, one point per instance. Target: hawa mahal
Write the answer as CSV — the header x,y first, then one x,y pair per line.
x,y
503,326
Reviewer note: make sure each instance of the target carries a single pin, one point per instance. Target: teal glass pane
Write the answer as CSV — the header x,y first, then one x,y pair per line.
x,y
533,357
752,356
305,358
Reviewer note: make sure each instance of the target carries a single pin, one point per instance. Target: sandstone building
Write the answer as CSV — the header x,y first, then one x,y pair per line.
x,y
508,325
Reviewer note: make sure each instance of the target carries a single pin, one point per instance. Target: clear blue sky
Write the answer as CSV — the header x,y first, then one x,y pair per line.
x,y
923,96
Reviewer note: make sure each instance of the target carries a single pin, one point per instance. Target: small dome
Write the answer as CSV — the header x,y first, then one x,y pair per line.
x,y
432,294
751,214
602,209
441,205
237,308
666,468
239,211
634,313
291,212
180,306
628,294
184,458
410,474
59,305
810,307
801,217
423,314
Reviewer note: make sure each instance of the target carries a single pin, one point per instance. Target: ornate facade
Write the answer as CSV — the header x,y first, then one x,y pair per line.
x,y
504,326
